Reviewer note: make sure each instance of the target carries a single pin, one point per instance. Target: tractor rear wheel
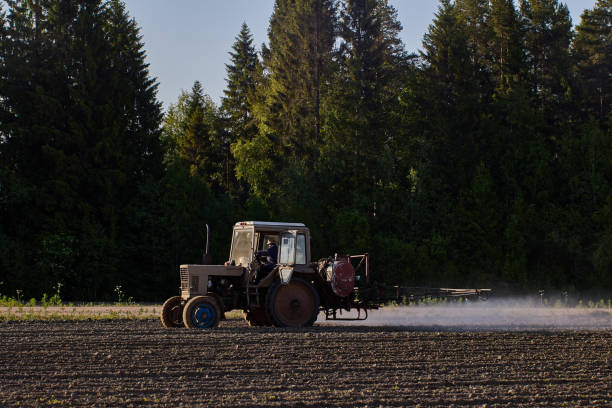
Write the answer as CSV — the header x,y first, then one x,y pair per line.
x,y
257,317
201,312
172,313
293,305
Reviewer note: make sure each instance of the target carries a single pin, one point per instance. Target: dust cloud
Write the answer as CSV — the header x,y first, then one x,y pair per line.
x,y
484,315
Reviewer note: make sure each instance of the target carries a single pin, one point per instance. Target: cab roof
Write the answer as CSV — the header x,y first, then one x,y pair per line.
x,y
267,224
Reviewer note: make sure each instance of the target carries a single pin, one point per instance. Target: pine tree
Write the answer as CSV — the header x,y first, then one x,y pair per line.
x,y
506,44
475,16
547,26
593,53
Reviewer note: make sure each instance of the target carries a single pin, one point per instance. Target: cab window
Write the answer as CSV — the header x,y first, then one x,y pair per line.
x,y
264,239
241,246
287,249
300,250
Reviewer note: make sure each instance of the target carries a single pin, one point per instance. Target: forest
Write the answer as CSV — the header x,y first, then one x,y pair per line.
x,y
483,160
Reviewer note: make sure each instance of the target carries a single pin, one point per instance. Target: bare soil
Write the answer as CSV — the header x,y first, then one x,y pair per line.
x,y
137,363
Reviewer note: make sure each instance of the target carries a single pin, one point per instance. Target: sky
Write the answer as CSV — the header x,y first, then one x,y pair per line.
x,y
189,40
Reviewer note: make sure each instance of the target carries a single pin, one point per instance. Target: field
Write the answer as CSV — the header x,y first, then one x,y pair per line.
x,y
134,362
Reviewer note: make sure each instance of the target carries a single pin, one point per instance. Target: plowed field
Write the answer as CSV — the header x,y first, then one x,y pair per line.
x,y
137,363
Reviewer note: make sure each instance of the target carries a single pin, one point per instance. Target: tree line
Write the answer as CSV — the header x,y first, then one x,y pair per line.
x,y
483,160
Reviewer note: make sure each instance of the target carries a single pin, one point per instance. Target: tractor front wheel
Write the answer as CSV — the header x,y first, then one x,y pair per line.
x,y
201,312
295,304
172,313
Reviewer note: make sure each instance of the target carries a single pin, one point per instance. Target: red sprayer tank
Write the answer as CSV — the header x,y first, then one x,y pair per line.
x,y
343,276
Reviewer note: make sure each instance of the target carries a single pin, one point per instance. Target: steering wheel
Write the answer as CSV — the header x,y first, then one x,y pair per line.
x,y
254,267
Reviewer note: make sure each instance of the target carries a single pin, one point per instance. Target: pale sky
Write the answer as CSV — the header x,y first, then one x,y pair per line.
x,y
189,40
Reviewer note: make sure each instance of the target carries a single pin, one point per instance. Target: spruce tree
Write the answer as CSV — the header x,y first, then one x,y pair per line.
x,y
195,127
301,36
360,124
80,130
134,94
450,90
242,77
131,121
358,159
44,144
448,99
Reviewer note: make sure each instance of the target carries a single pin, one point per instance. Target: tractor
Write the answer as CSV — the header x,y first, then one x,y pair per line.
x,y
289,293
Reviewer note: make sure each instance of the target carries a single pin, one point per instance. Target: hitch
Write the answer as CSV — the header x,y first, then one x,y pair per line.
x,y
331,314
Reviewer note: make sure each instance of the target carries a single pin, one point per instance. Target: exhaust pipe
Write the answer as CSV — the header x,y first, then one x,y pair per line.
x,y
206,257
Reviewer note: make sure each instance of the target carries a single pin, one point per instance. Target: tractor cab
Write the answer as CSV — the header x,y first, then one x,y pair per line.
x,y
250,237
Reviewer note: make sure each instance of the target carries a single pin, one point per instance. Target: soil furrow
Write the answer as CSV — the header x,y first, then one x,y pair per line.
x,y
137,363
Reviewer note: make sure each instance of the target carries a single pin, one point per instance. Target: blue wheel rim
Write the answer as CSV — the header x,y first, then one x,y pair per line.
x,y
203,315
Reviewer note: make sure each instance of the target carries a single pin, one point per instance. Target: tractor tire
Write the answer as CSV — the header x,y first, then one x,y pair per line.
x,y
257,317
293,305
171,314
201,312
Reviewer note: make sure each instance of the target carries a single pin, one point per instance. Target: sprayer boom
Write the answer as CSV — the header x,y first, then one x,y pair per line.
x,y
408,294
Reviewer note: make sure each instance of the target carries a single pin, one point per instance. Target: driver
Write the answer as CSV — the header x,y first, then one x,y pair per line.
x,y
271,255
